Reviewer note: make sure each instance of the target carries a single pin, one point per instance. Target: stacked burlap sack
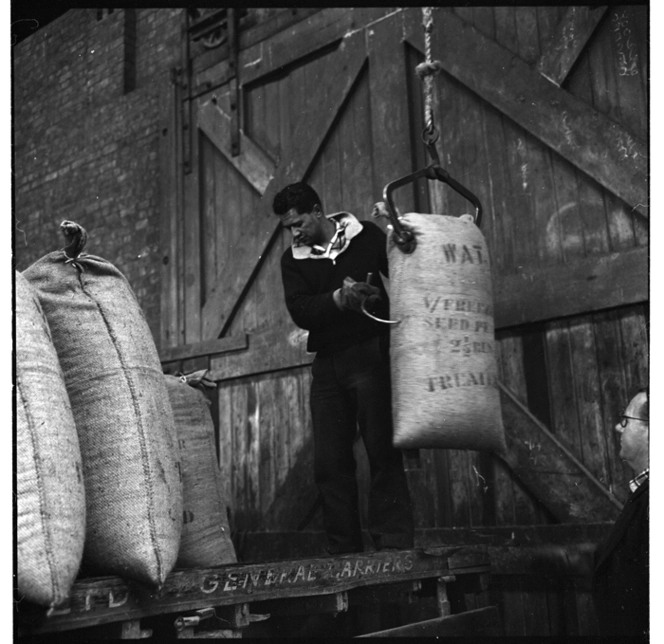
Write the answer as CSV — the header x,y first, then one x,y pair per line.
x,y
120,470
206,538
121,409
50,522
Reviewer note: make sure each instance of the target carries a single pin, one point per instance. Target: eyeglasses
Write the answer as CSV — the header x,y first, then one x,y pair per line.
x,y
624,419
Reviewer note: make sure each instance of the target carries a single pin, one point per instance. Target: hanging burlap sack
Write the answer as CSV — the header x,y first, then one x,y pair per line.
x,y
444,372
206,537
122,412
50,497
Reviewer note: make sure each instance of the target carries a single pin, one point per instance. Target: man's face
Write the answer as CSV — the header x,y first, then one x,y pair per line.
x,y
634,436
306,228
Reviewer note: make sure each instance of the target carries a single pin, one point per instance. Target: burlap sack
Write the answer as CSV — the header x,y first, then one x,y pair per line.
x,y
50,497
206,537
122,412
444,372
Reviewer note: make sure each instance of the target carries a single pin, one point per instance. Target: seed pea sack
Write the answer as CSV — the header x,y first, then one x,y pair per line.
x,y
444,371
121,408
50,496
206,537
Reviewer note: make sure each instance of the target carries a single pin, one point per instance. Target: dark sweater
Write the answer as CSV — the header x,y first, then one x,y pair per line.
x,y
620,582
309,285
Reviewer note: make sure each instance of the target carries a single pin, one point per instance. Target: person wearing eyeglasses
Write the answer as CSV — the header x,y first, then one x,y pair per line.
x,y
618,566
621,562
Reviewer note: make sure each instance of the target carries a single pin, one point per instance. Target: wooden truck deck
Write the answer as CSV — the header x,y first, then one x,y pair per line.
x,y
241,594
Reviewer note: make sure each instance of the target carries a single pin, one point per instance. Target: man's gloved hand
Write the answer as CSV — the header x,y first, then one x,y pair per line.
x,y
351,295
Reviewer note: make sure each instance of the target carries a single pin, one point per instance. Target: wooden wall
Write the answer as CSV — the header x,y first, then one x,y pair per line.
x,y
552,143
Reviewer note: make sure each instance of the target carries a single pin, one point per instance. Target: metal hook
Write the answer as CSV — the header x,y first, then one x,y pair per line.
x,y
373,317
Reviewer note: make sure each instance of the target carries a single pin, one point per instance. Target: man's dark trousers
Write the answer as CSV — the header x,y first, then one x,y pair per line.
x,y
351,388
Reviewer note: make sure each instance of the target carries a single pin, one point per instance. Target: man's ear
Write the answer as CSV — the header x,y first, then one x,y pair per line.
x,y
317,210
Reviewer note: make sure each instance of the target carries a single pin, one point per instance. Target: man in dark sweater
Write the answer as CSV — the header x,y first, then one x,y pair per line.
x,y
327,277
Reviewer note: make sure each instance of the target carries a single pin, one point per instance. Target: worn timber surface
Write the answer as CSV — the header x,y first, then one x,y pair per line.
x,y
111,599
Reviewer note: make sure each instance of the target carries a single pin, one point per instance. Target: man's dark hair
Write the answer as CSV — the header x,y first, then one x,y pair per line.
x,y
644,412
300,196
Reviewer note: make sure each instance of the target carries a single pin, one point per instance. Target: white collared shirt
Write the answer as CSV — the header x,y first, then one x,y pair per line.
x,y
638,479
347,227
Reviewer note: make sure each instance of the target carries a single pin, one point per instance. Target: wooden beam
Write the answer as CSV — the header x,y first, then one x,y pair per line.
x,y
260,356
272,546
568,41
390,136
252,163
100,600
170,182
590,284
305,38
207,348
482,622
549,470
592,142
336,83
317,605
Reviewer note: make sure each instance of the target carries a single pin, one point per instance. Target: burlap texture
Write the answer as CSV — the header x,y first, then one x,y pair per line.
x,y
50,496
206,537
444,371
123,416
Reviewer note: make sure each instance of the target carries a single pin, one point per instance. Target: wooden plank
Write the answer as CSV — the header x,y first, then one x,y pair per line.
x,y
272,111
533,243
595,144
564,416
260,356
551,472
359,194
245,313
340,74
275,545
591,284
527,34
191,248
207,348
483,622
568,41
111,599
513,504
209,217
225,448
170,179
390,135
268,28
566,223
244,473
305,38
336,603
627,60
252,162
269,403
588,394
611,388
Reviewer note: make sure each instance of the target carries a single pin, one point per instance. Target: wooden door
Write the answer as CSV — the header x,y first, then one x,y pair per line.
x,y
542,114
307,114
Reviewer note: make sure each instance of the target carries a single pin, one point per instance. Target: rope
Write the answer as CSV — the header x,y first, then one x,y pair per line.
x,y
429,68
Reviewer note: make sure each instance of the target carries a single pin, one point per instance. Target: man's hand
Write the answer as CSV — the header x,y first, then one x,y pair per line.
x,y
352,294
